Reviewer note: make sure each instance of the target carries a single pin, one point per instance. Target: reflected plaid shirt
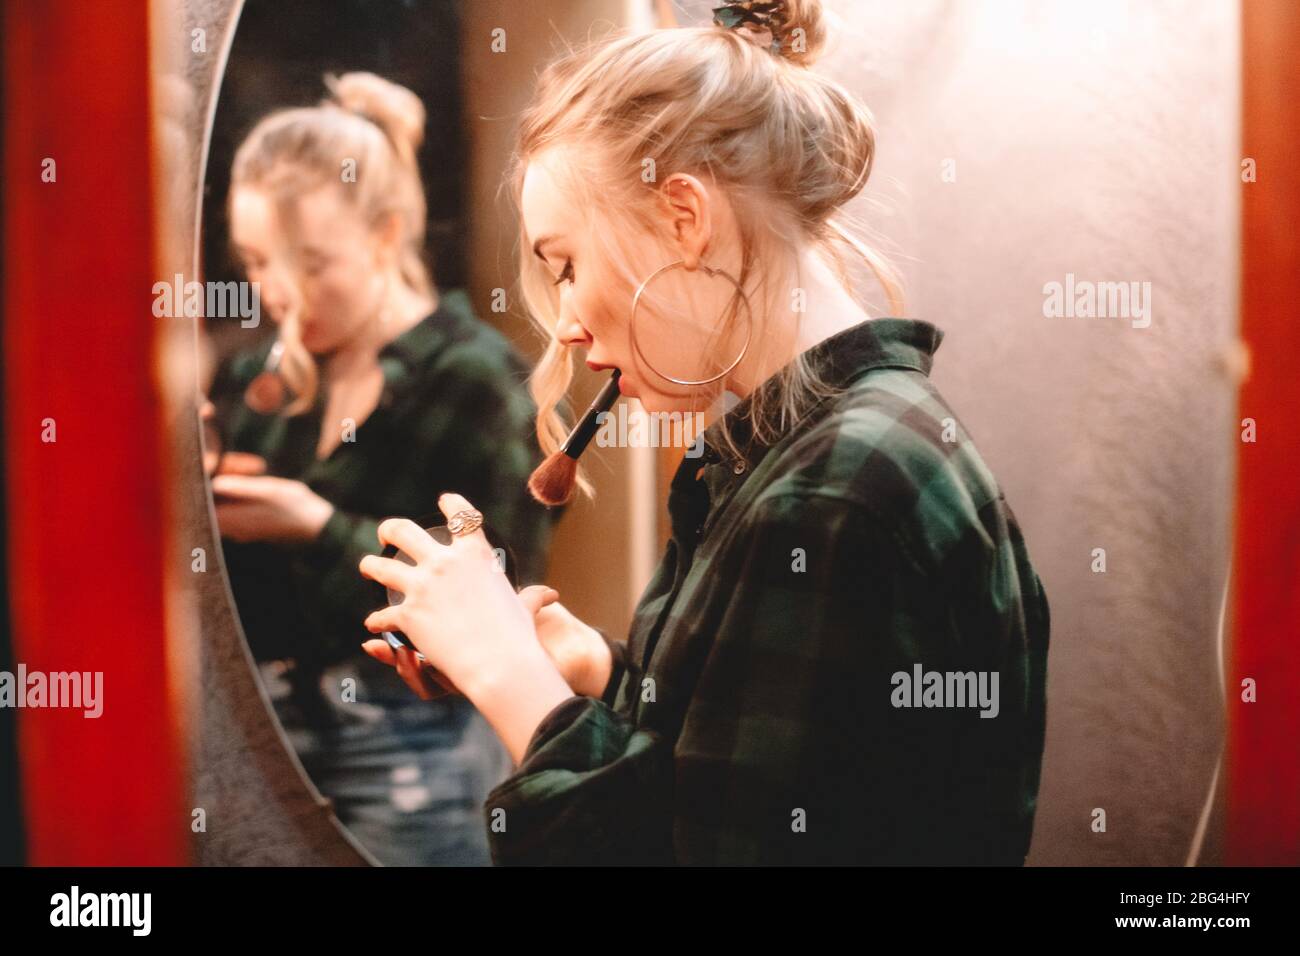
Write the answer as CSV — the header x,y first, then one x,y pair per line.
x,y
753,717
454,414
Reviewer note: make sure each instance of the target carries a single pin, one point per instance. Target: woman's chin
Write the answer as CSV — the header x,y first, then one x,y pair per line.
x,y
317,345
656,403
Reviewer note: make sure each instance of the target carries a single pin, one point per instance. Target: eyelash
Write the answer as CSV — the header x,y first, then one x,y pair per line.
x,y
567,271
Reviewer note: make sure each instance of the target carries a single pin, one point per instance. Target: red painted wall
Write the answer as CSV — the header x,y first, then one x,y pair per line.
x,y
1263,825
87,515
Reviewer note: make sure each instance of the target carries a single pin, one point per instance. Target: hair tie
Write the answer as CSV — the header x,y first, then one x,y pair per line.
x,y
753,20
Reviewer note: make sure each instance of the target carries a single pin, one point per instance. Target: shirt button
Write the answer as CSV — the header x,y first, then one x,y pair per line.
x,y
739,469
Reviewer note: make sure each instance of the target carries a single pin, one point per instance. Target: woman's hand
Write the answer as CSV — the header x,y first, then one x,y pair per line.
x,y
264,508
427,683
461,613
241,463
579,652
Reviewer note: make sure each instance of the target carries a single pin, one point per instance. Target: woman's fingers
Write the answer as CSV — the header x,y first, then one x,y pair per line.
x,y
425,679
242,463
429,682
389,572
407,536
451,504
380,651
238,486
250,487
385,619
436,682
408,668
537,596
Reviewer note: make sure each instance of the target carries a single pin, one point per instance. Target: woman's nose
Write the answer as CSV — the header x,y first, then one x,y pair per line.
x,y
274,292
569,330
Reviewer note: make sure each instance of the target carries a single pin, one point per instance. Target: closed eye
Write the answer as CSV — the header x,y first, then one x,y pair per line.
x,y
566,275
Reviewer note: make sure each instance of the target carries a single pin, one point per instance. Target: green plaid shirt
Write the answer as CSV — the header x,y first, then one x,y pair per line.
x,y
454,415
754,716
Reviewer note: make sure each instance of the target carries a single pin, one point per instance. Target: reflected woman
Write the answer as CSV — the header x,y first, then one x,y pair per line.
x,y
395,392
839,544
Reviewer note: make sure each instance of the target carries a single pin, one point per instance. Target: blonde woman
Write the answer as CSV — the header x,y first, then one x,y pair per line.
x,y
392,392
841,657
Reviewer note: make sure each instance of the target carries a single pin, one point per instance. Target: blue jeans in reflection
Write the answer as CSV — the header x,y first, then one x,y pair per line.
x,y
407,777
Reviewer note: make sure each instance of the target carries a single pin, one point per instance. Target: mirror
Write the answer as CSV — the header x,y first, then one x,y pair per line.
x,y
249,771
349,379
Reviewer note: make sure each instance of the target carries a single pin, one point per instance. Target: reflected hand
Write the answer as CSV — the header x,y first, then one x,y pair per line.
x,y
265,508
241,463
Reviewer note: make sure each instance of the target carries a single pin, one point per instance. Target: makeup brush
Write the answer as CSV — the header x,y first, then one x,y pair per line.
x,y
553,481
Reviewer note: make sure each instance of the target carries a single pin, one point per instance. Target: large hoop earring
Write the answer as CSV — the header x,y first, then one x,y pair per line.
x,y
749,324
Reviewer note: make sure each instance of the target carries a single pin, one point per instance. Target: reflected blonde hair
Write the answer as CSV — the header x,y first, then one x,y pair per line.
x,y
378,126
789,147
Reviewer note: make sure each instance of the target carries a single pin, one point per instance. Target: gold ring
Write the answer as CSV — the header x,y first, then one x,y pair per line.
x,y
465,522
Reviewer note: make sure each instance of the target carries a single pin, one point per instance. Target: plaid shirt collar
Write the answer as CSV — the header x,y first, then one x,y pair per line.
x,y
406,358
839,360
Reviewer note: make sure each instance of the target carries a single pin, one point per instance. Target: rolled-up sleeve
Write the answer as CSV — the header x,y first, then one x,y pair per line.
x,y
591,789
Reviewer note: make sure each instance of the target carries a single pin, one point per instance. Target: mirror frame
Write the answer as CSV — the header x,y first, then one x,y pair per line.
x,y
259,807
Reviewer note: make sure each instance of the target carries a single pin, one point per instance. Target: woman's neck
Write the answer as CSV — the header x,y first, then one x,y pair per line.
x,y
828,309
360,354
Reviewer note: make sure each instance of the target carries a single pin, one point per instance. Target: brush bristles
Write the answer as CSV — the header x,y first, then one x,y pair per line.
x,y
554,480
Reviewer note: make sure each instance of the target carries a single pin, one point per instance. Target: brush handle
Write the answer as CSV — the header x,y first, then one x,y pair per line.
x,y
581,435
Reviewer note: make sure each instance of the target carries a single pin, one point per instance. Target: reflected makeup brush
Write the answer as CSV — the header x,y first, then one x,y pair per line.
x,y
268,392
553,481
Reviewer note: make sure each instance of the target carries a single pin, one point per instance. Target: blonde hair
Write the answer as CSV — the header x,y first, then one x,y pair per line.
x,y
377,126
788,146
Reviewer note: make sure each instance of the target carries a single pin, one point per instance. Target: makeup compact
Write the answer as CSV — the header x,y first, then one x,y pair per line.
x,y
436,527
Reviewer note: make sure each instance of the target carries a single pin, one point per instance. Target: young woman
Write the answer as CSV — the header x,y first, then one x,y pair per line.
x,y
841,657
395,392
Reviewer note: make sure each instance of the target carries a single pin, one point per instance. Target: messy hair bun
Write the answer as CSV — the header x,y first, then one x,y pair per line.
x,y
793,30
394,109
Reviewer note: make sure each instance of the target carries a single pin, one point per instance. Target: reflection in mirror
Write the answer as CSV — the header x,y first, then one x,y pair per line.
x,y
359,386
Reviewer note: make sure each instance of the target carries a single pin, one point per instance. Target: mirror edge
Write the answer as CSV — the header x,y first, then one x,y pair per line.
x,y
253,803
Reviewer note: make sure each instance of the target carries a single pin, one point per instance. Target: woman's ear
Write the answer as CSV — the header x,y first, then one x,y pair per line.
x,y
387,236
688,203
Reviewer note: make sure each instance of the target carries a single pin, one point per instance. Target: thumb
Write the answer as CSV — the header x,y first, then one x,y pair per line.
x,y
242,463
537,596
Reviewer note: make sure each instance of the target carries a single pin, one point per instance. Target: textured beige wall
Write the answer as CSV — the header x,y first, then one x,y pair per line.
x,y
1098,139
